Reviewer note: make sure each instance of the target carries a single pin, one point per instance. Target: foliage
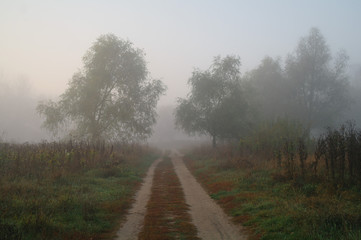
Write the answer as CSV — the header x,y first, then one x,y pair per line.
x,y
278,140
216,105
320,90
48,159
112,97
311,88
333,156
270,89
341,151
67,191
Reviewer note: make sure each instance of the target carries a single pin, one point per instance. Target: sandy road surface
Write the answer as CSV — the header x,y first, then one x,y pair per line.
x,y
210,220
135,218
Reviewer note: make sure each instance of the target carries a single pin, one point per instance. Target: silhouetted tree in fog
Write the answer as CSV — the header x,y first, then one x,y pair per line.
x,y
216,105
112,97
320,88
271,89
354,112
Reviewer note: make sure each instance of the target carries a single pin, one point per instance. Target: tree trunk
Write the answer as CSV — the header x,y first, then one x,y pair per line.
x,y
214,141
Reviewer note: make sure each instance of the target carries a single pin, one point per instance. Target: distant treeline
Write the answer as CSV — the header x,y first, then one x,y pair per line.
x,y
311,87
278,113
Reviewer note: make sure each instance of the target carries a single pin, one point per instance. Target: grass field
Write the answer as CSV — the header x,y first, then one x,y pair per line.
x,y
84,199
274,208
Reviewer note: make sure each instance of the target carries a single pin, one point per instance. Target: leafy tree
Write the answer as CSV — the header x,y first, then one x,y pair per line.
x,y
216,105
270,89
112,97
320,89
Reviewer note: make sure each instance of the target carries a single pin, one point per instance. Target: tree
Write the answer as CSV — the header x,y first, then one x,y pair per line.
x,y
216,105
353,112
320,90
112,97
270,89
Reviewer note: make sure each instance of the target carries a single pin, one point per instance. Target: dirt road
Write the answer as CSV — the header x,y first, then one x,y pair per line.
x,y
135,218
208,218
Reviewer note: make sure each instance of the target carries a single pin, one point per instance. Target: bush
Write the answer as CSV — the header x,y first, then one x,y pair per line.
x,y
340,149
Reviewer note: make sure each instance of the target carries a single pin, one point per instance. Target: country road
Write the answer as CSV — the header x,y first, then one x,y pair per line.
x,y
208,218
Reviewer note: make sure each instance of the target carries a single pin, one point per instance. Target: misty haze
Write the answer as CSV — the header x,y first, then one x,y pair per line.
x,y
180,120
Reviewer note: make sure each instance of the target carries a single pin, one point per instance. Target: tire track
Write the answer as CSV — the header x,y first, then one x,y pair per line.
x,y
173,205
135,217
209,218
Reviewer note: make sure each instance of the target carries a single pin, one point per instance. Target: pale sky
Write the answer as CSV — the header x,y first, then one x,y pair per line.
x,y
44,41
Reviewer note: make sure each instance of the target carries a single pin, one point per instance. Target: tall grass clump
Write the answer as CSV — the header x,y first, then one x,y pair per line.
x,y
286,146
340,151
49,159
282,144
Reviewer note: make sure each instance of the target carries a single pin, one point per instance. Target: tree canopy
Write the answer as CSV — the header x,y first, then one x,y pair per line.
x,y
320,86
216,105
312,87
270,89
112,97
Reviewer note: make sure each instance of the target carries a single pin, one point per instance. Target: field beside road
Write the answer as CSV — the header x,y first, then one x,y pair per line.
x,y
271,206
68,191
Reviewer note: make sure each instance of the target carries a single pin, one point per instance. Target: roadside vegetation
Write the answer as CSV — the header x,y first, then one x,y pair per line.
x,y
73,190
283,186
81,188
274,165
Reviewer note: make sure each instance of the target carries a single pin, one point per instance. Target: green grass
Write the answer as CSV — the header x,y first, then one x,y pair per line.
x,y
83,205
275,209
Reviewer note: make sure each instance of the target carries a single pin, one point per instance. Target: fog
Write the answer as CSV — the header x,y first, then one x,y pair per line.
x,y
43,42
166,135
19,121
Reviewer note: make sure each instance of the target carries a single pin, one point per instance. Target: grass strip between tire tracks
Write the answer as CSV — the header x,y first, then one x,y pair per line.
x,y
167,214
